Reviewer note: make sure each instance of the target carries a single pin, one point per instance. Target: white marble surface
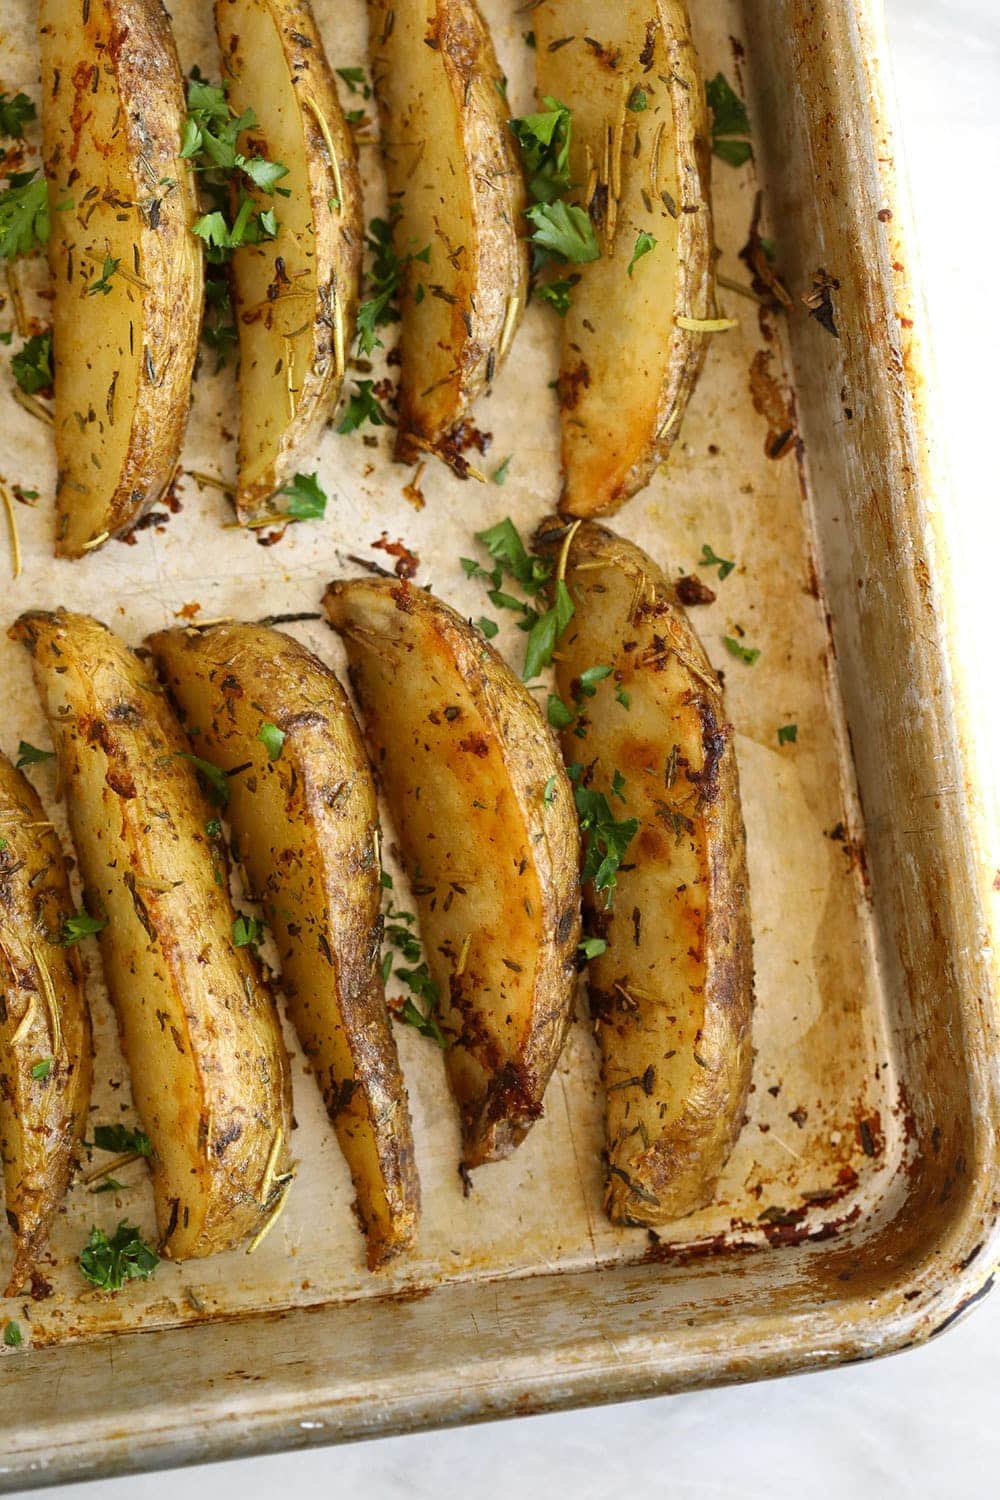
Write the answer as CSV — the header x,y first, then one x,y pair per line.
x,y
924,1424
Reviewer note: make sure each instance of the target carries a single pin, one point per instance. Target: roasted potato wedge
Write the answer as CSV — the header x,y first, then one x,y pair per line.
x,y
628,363
456,183
126,270
295,296
209,1068
484,817
306,820
672,994
46,1062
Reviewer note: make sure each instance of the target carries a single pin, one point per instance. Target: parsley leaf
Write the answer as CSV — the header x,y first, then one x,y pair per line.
x,y
218,324
605,838
637,100
558,715
592,947
362,407
215,782
565,231
355,80
307,498
272,738
417,978
644,243
30,755
544,140
748,654
81,925
12,1335
499,475
557,293
489,628
109,1263
384,280
546,632
109,1185
561,231
103,282
549,791
588,680
121,1141
709,559
729,119
15,111
210,139
788,734
213,828
24,215
503,543
247,931
32,364
42,1068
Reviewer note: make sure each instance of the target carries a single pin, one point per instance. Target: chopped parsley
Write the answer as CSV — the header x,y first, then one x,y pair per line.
x,y
637,100
644,243
121,1141
247,931
557,293
12,1335
606,839
558,715
588,681
356,81
747,654
103,282
709,560
213,828
24,215
549,791
215,782
488,627
42,1068
503,543
306,498
211,140
730,122
110,1185
499,475
593,947
622,697
30,755
218,324
272,738
109,1263
79,926
788,734
15,112
398,932
562,231
32,364
385,277
363,407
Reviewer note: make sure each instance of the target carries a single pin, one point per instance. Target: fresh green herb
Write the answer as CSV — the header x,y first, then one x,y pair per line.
x,y
637,100
103,282
385,880
218,324
24,215
247,931
43,1068
249,227
306,497
356,81
385,277
587,685
644,243
564,231
272,738
709,560
3,845
748,654
593,947
561,230
15,112
121,1141
788,734
354,116
549,791
6,336
730,122
501,86
488,627
558,715
557,293
606,839
215,782
546,632
544,139
108,1264
362,407
12,1334
503,543
79,926
417,978
211,141
499,475
213,828
624,698
32,364
29,755
110,1185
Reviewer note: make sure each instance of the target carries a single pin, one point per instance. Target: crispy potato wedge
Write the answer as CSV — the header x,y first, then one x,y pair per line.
x,y
46,1048
295,296
456,182
307,826
628,366
209,1068
673,993
465,762
126,270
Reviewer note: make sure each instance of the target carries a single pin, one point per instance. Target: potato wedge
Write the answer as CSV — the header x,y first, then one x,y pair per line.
x,y
209,1068
307,826
456,183
126,270
46,1048
673,993
295,296
628,366
484,817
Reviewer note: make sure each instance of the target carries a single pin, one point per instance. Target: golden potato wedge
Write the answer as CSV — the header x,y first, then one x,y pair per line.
x,y
673,993
456,183
46,1061
209,1068
628,363
484,818
306,820
126,270
295,296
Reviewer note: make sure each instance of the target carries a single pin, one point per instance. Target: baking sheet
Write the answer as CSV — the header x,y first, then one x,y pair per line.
x,y
824,1125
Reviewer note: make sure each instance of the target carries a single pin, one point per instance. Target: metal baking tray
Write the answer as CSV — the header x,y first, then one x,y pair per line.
x,y
858,1213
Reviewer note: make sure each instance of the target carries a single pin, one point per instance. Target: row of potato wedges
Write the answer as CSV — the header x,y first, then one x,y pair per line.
x,y
123,195
487,821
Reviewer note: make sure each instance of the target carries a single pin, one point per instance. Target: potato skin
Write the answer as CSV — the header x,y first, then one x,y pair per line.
x,y
464,758
295,296
41,1120
209,1068
112,111
307,827
627,369
673,993
453,172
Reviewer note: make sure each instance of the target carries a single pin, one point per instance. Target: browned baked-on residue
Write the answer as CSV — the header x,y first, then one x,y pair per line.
x,y
454,33
774,404
572,383
407,562
691,590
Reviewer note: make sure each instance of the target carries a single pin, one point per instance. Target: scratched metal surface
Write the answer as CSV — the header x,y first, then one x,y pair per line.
x,y
854,969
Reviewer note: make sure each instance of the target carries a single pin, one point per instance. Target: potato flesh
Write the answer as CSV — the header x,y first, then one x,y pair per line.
x,y
307,827
627,369
41,1119
464,759
112,111
296,295
452,169
207,1061
672,994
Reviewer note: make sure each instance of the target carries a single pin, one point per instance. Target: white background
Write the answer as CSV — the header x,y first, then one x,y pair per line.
x,y
925,1424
